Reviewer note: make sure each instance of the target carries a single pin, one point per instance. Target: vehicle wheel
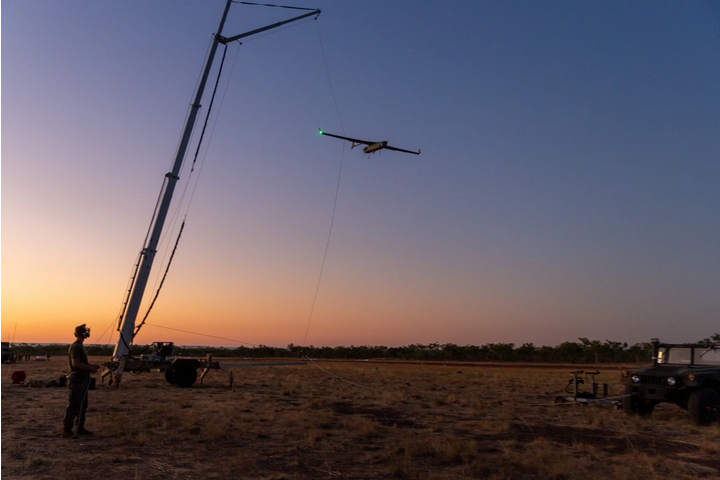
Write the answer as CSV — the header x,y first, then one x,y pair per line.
x,y
704,406
170,376
635,406
184,375
629,404
645,409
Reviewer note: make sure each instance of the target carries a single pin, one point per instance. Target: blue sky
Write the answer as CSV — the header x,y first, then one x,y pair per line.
x,y
568,184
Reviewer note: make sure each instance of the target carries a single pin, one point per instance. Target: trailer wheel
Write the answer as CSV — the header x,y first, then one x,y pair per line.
x,y
170,376
184,375
704,406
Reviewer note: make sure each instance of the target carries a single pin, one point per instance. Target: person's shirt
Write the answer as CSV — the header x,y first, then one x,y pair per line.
x,y
77,350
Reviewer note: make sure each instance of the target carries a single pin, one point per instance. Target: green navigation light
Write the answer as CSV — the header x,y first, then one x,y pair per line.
x,y
320,132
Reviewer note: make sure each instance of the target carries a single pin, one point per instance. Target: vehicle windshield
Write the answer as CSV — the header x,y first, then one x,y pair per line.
x,y
707,356
682,356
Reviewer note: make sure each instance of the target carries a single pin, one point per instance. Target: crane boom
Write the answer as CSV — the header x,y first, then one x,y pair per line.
x,y
147,255
158,221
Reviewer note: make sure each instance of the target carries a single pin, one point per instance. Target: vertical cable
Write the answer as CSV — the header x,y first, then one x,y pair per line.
x,y
337,191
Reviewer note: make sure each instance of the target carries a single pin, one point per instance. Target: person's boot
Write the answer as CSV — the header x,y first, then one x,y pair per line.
x,y
82,431
66,433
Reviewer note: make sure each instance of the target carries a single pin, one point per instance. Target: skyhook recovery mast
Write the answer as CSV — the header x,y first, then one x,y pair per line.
x,y
122,360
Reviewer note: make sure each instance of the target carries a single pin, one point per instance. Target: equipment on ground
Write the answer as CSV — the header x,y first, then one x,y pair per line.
x,y
7,353
586,397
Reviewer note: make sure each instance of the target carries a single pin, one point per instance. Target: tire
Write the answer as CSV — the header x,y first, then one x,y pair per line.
x,y
629,404
170,376
645,409
184,375
635,406
704,406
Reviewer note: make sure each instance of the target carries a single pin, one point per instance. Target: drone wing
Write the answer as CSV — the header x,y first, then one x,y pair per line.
x,y
354,140
402,150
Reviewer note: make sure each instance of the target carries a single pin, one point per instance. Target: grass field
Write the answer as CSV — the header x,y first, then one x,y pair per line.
x,y
347,420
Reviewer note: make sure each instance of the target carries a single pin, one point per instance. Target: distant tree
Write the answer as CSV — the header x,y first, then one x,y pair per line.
x,y
570,352
546,354
640,352
584,351
501,352
714,338
526,352
449,351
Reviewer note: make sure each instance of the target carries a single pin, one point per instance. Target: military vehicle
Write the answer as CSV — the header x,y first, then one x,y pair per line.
x,y
687,375
7,353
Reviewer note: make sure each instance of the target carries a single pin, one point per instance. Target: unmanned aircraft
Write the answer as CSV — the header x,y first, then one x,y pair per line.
x,y
372,147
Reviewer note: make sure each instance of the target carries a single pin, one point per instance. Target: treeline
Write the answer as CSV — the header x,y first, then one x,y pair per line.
x,y
584,351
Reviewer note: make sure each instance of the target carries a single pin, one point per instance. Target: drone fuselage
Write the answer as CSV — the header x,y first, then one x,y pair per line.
x,y
374,147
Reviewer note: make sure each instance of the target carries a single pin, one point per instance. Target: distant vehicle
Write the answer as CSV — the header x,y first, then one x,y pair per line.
x,y
7,355
687,375
372,147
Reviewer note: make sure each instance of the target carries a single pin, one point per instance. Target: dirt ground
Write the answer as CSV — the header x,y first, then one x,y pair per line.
x,y
347,420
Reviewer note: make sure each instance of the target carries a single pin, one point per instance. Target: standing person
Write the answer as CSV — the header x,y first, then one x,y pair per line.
x,y
78,384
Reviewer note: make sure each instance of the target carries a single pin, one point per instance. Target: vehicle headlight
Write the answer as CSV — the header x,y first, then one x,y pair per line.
x,y
671,381
635,378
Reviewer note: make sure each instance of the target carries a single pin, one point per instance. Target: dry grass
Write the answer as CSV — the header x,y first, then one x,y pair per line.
x,y
409,421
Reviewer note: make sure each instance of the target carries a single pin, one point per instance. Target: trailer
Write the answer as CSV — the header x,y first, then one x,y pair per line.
x,y
179,371
587,397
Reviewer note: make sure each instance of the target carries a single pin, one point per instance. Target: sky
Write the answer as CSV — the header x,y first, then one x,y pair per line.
x,y
568,184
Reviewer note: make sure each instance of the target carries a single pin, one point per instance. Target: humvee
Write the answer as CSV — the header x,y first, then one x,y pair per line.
x,y
687,375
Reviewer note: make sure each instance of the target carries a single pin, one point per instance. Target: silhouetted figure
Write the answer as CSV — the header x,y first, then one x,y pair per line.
x,y
78,384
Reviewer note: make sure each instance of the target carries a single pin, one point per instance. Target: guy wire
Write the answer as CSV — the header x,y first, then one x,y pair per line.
x,y
273,32
271,5
204,335
336,376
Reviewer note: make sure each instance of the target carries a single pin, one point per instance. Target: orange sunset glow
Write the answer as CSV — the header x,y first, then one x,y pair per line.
x,y
568,183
